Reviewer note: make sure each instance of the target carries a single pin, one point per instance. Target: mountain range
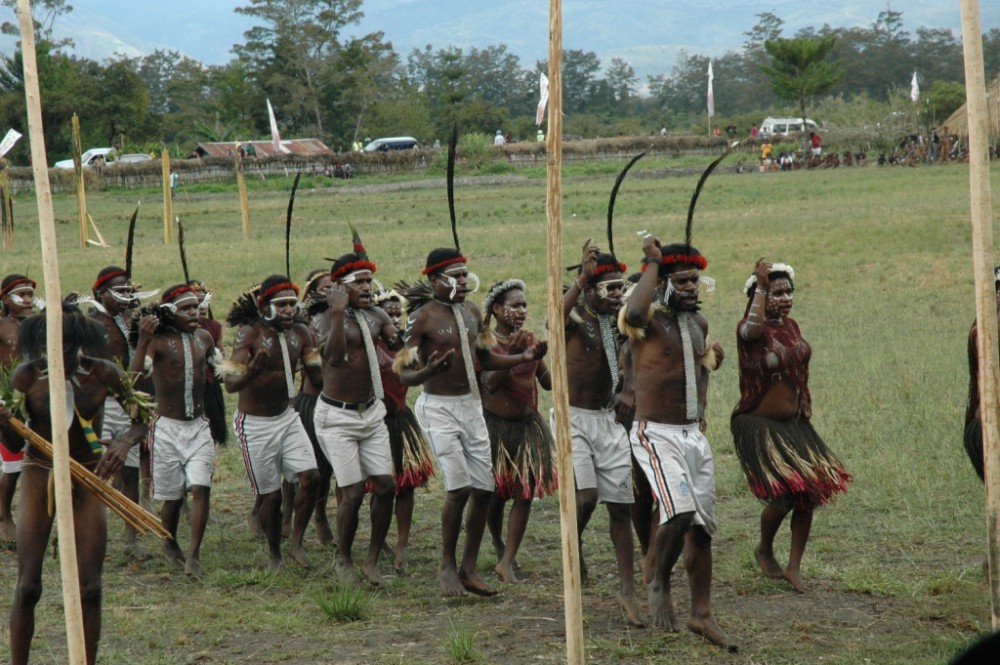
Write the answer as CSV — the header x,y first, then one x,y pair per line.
x,y
648,34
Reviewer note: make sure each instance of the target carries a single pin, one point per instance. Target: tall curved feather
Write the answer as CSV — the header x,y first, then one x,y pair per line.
x,y
614,195
452,149
130,242
180,243
697,190
288,226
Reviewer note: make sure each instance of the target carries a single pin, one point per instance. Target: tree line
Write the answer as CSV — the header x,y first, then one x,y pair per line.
x,y
343,89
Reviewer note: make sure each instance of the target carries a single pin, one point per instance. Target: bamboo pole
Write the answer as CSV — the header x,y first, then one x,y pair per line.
x,y
53,319
81,190
168,201
241,185
986,299
6,209
557,347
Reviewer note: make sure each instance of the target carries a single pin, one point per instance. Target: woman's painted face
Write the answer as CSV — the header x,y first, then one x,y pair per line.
x,y
779,298
394,310
514,310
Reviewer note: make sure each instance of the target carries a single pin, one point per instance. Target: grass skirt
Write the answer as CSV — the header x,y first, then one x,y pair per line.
x,y
523,463
411,457
787,459
305,405
974,445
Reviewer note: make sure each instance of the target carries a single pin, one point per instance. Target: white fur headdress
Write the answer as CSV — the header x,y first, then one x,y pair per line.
x,y
775,267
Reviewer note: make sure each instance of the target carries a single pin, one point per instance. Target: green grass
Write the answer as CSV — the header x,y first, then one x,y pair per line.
x,y
883,295
345,603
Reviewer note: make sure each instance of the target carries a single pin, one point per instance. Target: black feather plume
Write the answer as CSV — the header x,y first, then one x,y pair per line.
x,y
180,243
288,225
452,148
697,191
130,243
614,195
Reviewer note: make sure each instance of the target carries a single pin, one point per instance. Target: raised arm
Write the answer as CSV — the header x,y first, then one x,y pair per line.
x,y
588,262
753,327
637,310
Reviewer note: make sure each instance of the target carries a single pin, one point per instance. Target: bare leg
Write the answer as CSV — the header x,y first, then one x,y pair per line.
x,y
253,520
586,502
517,523
130,488
475,525
200,500
770,521
648,561
170,515
404,519
349,505
305,501
494,520
320,519
270,519
698,563
451,525
8,484
621,538
34,528
289,498
801,525
669,545
381,514
91,544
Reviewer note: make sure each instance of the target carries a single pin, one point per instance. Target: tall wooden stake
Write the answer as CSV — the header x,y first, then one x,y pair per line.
x,y
54,350
986,299
6,207
81,190
241,185
557,348
168,201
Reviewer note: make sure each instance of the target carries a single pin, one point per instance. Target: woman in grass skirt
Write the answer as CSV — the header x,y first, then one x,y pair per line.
x,y
522,445
411,458
786,462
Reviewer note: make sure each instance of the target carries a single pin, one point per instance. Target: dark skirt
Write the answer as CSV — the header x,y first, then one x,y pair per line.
x,y
411,457
215,411
787,459
523,463
974,445
305,405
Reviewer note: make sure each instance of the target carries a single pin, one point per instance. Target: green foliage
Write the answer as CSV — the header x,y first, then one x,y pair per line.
x,y
346,603
800,69
462,645
475,149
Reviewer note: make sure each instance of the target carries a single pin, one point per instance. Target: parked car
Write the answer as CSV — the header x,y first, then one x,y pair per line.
x,y
391,143
785,126
88,158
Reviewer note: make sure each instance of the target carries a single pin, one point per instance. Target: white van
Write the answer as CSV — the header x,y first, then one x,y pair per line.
x,y
391,143
88,158
786,126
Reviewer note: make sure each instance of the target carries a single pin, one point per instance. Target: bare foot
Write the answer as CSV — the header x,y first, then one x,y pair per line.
x,y
709,629
133,552
794,578
346,573
661,604
475,584
451,585
277,565
173,553
506,572
370,571
768,564
325,535
400,564
299,555
256,528
631,607
193,568
8,530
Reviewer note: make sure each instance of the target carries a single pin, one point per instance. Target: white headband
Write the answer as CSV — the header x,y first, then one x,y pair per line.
x,y
775,267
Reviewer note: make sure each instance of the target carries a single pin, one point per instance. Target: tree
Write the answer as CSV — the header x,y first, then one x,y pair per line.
x,y
44,14
799,68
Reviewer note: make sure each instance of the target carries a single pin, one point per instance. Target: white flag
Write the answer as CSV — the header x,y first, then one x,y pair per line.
x,y
8,141
914,88
275,137
543,89
711,95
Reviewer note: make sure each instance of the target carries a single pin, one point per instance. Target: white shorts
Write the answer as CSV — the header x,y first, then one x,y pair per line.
x,y
117,422
677,461
273,446
182,454
456,429
356,443
601,456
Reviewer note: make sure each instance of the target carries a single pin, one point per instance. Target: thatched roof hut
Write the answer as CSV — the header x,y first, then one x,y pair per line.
x,y
958,122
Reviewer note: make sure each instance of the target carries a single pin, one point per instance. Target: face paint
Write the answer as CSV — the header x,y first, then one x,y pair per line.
x,y
604,287
471,280
272,310
203,305
351,277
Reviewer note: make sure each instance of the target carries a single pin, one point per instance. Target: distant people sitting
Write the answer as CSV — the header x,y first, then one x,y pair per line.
x,y
786,160
251,151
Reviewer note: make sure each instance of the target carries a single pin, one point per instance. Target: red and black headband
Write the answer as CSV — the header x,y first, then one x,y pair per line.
x,y
172,294
443,264
283,286
108,277
353,266
696,260
17,282
610,267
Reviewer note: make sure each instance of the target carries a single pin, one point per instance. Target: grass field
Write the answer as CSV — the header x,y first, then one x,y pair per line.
x,y
883,294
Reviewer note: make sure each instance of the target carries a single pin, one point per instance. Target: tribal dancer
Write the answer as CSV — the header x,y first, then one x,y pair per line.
x,y
522,446
17,302
89,381
411,456
973,425
349,416
270,344
175,351
786,463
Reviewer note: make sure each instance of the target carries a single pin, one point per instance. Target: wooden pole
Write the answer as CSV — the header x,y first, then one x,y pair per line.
x,y
241,185
6,209
81,190
557,348
168,201
53,320
986,299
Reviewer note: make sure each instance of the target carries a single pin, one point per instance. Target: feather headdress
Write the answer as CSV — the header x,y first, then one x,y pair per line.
x,y
130,243
288,224
244,311
180,245
443,257
353,262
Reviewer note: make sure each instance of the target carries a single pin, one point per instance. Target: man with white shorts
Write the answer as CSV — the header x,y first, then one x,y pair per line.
x,y
175,350
350,415
269,347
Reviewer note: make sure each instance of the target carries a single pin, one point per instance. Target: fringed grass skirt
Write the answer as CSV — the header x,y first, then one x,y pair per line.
x,y
787,459
411,456
523,463
974,445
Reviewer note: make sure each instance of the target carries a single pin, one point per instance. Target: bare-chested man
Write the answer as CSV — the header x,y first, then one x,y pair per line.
x,y
176,351
350,414
269,347
601,457
671,359
89,381
17,302
115,299
438,354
